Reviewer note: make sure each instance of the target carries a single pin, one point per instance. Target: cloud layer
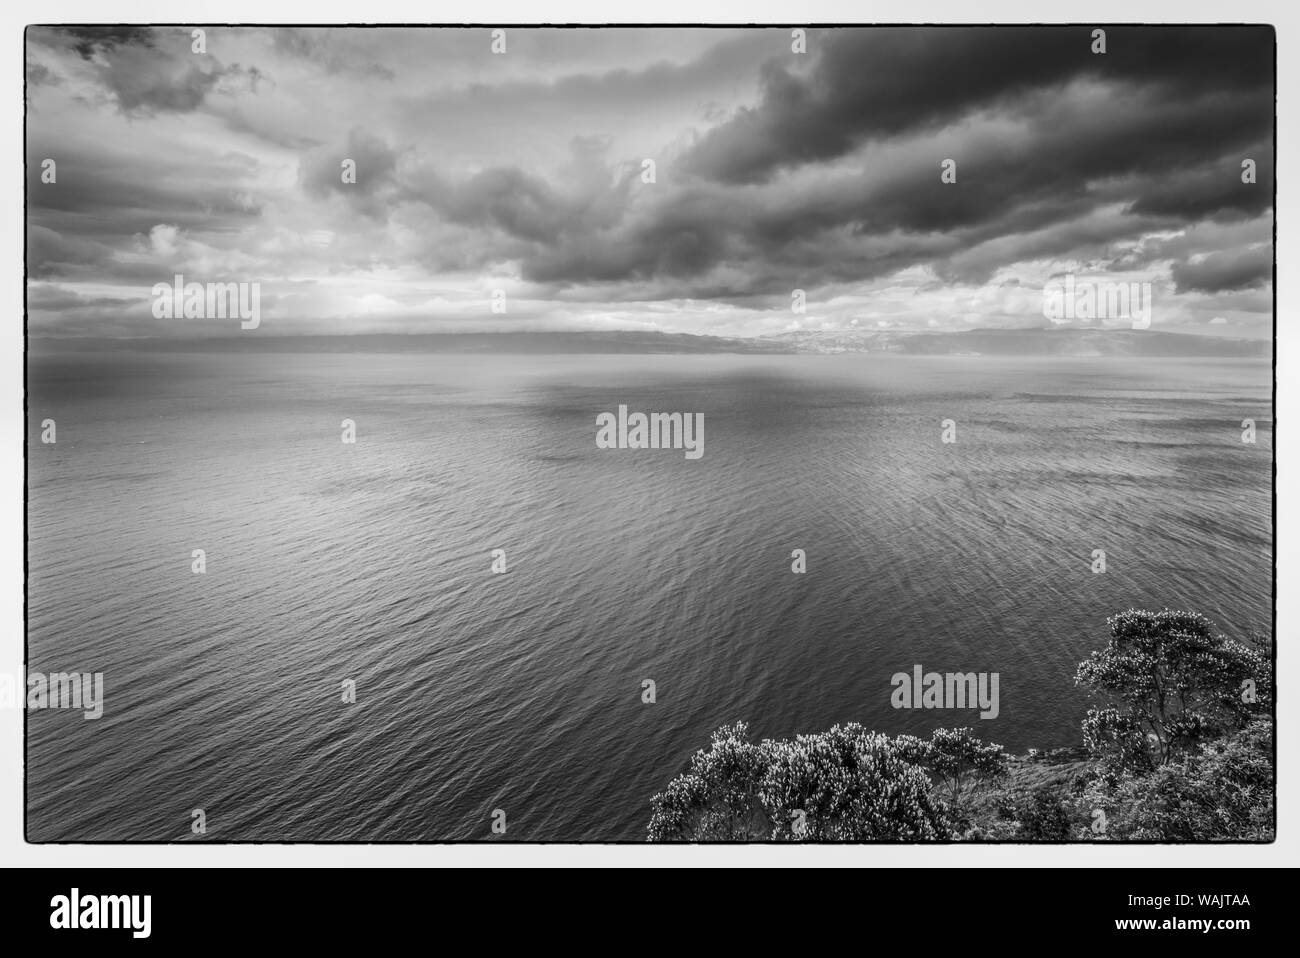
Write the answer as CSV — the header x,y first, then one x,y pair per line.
x,y
528,171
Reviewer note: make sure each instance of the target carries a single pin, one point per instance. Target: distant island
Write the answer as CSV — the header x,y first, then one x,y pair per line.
x,y
1044,342
557,342
1024,342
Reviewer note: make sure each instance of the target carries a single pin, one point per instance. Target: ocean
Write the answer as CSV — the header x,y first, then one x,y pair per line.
x,y
522,691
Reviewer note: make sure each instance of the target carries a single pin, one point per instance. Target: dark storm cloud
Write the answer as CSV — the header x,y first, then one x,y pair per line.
x,y
1165,144
87,40
1212,190
150,69
620,90
517,203
592,195
1228,270
868,84
51,254
1042,181
685,237
115,193
37,74
374,173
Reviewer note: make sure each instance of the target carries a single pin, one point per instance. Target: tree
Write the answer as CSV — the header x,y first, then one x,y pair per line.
x,y
847,784
1169,682
957,759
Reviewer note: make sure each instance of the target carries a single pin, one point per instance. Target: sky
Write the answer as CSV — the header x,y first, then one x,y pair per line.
x,y
775,169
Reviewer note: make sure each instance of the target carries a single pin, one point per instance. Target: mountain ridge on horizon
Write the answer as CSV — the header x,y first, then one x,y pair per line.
x,y
1027,341
1033,341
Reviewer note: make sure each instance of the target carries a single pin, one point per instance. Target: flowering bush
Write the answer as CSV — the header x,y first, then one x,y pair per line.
x,y
847,784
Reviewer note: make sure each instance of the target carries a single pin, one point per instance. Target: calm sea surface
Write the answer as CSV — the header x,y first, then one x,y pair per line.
x,y
522,691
